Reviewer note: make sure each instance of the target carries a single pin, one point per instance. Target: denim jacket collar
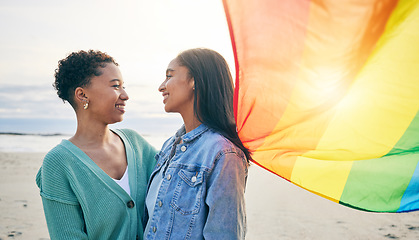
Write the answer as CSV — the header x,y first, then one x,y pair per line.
x,y
187,137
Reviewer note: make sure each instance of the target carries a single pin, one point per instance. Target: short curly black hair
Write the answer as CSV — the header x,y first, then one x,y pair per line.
x,y
76,70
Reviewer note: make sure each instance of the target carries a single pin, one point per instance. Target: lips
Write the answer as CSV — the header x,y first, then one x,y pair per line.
x,y
165,96
120,107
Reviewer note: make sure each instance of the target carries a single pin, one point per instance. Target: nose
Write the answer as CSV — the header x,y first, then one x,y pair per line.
x,y
162,86
124,95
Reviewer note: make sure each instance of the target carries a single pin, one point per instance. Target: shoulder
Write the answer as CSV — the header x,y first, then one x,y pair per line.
x,y
53,177
218,142
56,157
221,147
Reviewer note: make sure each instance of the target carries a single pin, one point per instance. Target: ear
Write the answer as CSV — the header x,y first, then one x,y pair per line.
x,y
80,95
192,83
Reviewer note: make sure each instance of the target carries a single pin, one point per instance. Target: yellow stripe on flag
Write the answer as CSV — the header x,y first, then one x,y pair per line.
x,y
325,177
383,100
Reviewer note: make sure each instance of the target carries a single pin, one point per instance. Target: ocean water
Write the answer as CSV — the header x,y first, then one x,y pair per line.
x,y
40,135
40,143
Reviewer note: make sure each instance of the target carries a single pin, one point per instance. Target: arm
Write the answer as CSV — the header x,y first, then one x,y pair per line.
x,y
225,198
64,220
62,211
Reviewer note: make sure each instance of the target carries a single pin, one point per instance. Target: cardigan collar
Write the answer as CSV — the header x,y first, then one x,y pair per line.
x,y
96,170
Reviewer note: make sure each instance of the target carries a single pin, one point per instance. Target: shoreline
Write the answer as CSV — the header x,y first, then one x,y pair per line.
x,y
276,209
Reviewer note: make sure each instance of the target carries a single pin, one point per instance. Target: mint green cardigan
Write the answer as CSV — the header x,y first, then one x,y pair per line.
x,y
82,202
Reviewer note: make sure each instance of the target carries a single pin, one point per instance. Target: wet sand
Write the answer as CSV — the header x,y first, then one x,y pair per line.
x,y
276,209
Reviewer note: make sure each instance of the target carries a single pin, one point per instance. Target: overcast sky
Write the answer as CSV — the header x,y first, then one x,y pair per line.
x,y
143,36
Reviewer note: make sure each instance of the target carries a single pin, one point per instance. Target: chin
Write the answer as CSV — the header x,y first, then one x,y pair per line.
x,y
120,120
168,109
116,121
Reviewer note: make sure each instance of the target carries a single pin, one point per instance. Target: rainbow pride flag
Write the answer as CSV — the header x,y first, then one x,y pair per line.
x,y
327,96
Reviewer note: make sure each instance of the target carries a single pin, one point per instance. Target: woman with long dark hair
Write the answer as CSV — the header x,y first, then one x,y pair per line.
x,y
197,188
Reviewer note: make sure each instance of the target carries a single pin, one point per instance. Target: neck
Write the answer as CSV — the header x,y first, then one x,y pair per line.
x,y
191,121
91,133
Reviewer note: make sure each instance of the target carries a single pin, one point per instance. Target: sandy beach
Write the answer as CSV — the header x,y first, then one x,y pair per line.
x,y
276,209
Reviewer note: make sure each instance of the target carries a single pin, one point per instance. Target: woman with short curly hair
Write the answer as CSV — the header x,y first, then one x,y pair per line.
x,y
93,184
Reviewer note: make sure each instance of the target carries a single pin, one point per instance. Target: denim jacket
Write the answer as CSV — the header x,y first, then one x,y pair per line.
x,y
201,195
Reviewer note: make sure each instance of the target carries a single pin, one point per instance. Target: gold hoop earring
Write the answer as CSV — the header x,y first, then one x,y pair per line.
x,y
86,105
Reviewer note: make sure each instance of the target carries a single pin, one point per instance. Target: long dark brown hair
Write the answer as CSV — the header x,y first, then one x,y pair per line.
x,y
214,91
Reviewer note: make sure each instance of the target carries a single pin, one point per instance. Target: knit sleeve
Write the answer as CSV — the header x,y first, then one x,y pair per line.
x,y
64,221
53,177
62,211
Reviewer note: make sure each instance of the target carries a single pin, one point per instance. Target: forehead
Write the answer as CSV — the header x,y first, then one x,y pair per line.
x,y
174,66
109,68
109,74
110,71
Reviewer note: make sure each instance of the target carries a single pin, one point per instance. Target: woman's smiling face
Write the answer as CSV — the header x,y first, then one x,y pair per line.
x,y
177,89
106,95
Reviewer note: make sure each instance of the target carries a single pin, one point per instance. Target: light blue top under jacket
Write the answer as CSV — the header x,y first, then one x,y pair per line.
x,y
201,190
82,202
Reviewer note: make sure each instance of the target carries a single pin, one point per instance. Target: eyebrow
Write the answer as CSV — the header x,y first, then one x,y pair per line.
x,y
169,70
116,80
